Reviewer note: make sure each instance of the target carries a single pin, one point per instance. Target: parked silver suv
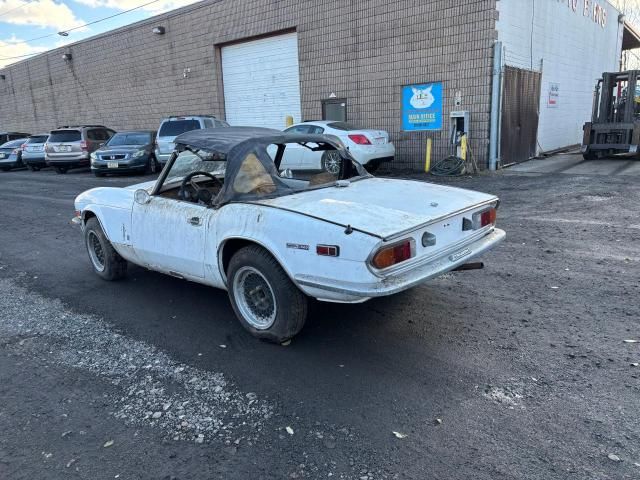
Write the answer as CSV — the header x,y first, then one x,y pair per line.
x,y
171,127
69,147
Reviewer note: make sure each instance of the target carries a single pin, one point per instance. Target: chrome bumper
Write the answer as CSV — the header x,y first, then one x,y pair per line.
x,y
352,291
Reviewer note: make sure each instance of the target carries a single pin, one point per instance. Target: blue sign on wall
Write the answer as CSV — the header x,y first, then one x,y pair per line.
x,y
422,107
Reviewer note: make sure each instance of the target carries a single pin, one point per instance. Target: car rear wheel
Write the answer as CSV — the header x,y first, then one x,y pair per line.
x,y
61,170
98,174
331,162
106,262
6,169
265,300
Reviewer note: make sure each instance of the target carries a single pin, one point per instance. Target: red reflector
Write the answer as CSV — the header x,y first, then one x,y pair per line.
x,y
387,256
83,145
359,139
328,250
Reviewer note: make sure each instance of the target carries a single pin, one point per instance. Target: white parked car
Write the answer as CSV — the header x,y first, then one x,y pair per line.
x,y
369,147
221,214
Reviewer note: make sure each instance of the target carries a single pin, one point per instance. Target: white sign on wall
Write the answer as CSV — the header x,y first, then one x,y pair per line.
x,y
554,95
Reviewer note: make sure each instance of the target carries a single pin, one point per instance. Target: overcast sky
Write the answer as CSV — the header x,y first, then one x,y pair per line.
x,y
22,20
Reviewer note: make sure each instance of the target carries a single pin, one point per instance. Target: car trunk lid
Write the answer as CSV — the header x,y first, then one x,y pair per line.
x,y
385,208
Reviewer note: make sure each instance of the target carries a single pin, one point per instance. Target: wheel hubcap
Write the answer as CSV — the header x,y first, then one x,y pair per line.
x,y
255,298
332,162
96,252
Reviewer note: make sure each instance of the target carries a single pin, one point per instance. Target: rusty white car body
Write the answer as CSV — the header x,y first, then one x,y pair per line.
x,y
344,238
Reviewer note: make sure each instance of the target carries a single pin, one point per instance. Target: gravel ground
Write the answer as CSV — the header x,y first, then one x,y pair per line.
x,y
527,369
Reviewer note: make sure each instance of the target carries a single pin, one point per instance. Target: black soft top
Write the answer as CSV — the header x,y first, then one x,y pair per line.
x,y
223,140
235,143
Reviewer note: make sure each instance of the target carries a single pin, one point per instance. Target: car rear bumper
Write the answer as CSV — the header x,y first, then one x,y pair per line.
x,y
34,159
335,290
10,163
377,153
68,161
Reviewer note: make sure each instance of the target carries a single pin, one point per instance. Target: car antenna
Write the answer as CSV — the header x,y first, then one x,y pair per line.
x,y
348,230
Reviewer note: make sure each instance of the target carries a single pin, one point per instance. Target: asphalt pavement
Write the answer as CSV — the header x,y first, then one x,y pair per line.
x,y
527,369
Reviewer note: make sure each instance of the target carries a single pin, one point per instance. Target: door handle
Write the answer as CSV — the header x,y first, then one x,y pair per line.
x,y
195,221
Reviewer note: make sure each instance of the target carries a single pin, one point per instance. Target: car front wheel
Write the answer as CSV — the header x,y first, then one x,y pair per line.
x,y
106,262
263,297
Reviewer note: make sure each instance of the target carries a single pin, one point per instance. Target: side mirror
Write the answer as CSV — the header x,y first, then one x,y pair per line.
x,y
141,196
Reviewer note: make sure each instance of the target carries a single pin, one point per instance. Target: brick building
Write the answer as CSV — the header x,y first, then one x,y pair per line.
x,y
257,61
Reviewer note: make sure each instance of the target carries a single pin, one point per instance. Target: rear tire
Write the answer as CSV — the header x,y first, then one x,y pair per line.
x,y
106,262
264,298
6,169
61,170
98,174
589,155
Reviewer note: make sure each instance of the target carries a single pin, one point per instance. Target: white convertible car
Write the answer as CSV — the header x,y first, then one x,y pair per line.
x,y
222,214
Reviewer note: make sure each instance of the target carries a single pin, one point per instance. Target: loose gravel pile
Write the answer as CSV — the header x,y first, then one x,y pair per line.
x,y
184,402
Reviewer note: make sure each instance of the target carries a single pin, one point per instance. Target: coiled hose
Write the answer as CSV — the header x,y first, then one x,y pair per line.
x,y
451,166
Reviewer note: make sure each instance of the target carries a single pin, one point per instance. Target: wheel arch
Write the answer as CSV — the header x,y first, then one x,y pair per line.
x,y
87,214
229,246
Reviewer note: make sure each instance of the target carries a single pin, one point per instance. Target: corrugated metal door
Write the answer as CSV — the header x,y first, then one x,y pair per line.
x,y
261,81
520,112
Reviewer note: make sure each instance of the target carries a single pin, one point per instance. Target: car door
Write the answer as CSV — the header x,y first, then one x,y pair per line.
x,y
294,153
170,235
312,160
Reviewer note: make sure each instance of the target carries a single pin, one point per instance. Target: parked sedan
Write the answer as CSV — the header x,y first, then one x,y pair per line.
x,y
33,152
11,154
369,147
126,152
222,214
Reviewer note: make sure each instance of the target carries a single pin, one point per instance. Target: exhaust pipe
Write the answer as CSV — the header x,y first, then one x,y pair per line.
x,y
469,266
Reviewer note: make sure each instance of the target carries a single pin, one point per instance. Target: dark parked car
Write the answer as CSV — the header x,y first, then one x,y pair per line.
x,y
33,152
11,154
70,147
131,151
8,136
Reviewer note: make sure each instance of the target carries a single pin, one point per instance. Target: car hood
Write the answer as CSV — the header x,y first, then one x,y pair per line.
x,y
382,207
122,149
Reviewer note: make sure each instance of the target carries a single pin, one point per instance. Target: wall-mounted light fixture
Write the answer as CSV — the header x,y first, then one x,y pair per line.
x,y
158,30
186,72
66,57
63,34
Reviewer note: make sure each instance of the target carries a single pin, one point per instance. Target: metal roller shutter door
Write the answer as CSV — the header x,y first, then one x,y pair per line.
x,y
261,81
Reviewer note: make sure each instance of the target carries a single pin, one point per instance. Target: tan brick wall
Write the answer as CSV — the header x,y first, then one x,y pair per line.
x,y
362,50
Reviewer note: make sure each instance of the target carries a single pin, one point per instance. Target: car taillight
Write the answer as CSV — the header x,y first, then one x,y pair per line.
x,y
23,146
83,145
359,139
393,254
484,218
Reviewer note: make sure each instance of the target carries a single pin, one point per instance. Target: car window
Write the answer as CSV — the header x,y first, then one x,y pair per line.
x,y
65,136
102,134
208,123
40,139
299,129
252,177
342,126
12,143
188,162
316,130
129,139
91,135
173,128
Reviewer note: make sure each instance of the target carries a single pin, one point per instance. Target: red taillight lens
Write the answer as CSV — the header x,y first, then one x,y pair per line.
x,y
393,254
483,218
359,139
23,146
83,145
328,250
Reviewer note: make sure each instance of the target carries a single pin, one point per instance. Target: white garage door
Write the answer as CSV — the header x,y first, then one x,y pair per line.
x,y
261,81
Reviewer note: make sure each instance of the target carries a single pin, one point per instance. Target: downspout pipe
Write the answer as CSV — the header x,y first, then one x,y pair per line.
x,y
495,106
